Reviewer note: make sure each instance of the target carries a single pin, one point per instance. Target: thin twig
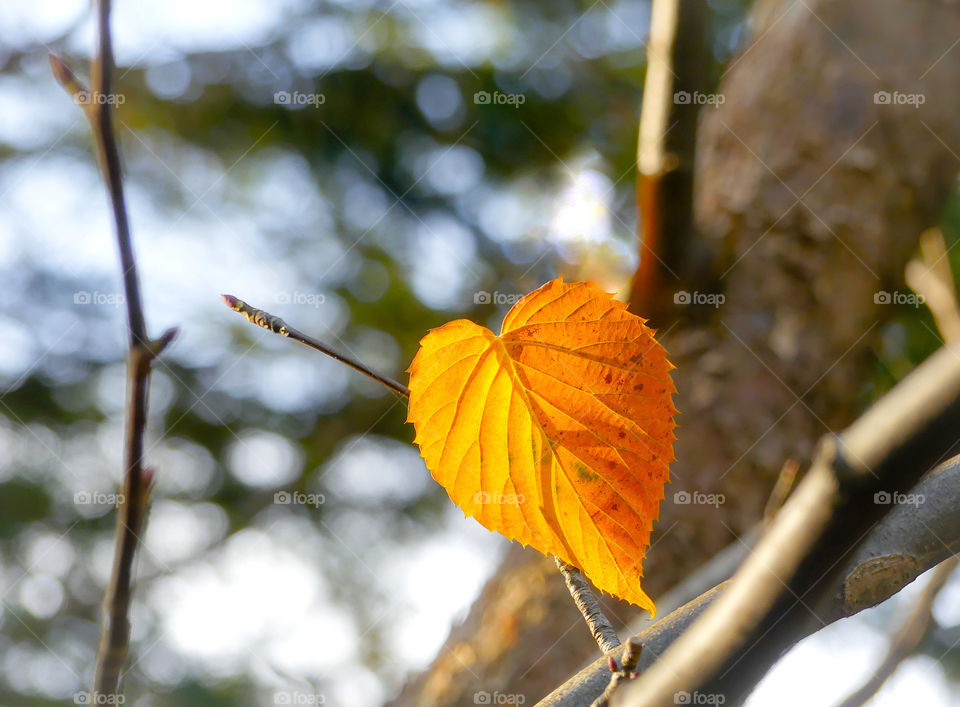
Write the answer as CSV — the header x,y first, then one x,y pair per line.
x,y
101,95
632,650
931,277
781,489
278,326
907,638
599,625
98,105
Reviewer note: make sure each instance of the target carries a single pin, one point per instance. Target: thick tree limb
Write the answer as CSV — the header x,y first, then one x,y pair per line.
x,y
785,581
907,637
905,544
932,278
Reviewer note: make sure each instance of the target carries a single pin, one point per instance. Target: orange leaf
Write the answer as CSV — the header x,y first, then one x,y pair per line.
x,y
558,433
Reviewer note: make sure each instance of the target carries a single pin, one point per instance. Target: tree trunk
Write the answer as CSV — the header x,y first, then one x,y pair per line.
x,y
811,194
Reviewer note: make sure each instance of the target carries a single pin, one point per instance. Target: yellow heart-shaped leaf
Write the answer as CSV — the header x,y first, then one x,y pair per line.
x,y
558,433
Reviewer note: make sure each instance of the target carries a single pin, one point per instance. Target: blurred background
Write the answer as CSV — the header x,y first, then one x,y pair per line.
x,y
366,170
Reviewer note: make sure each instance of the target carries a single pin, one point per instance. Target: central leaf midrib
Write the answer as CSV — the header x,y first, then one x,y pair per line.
x,y
550,511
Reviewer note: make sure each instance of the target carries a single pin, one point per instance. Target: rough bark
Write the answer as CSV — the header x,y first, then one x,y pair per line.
x,y
904,545
787,586
811,197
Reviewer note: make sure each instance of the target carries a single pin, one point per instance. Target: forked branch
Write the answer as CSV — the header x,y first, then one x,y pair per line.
x,y
98,106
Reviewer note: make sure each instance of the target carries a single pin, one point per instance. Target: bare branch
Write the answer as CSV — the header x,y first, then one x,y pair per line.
x,y
101,93
591,682
904,545
770,600
98,106
632,651
63,72
278,326
781,490
907,638
932,278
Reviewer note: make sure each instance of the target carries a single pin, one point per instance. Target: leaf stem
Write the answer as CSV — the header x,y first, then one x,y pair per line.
x,y
599,625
